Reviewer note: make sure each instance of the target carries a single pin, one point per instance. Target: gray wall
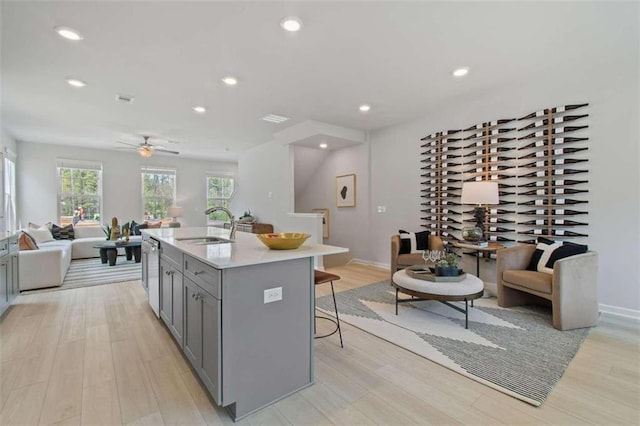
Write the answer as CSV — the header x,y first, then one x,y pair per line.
x,y
348,225
121,182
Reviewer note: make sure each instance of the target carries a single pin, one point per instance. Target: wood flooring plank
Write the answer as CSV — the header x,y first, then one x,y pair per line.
x,y
153,419
24,405
9,374
73,327
298,411
98,360
38,364
382,413
63,399
174,400
135,394
268,416
211,413
100,404
64,391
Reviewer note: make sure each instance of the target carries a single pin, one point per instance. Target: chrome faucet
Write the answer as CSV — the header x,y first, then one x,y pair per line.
x,y
232,234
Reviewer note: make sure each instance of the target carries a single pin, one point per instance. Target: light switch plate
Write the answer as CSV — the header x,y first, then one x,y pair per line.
x,y
272,294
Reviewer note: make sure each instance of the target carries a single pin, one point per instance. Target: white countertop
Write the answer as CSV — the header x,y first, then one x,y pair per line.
x,y
245,250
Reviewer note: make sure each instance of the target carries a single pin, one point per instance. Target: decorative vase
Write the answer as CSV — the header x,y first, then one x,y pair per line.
x,y
447,271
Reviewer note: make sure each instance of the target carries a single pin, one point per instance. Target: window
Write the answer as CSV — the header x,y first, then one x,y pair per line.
x,y
79,192
158,193
10,192
219,191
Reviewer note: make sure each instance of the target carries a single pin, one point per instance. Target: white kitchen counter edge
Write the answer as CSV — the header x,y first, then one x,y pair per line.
x,y
246,250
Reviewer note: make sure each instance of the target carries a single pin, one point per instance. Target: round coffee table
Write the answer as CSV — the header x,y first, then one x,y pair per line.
x,y
469,289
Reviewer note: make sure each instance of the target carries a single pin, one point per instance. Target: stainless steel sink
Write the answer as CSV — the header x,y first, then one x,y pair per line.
x,y
205,240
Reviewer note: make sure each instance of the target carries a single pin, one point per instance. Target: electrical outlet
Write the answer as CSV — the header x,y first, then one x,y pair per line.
x,y
382,209
272,294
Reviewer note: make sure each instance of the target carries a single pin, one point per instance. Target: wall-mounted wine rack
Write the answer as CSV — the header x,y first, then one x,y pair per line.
x,y
539,162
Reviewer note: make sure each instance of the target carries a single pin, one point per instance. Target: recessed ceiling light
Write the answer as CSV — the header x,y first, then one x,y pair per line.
x,y
291,24
323,145
69,33
75,82
460,72
230,81
273,118
200,109
364,107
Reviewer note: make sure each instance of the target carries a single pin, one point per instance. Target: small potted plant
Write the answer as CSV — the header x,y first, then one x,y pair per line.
x,y
448,266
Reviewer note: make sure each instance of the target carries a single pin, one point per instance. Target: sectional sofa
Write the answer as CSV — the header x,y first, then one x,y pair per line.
x,y
48,265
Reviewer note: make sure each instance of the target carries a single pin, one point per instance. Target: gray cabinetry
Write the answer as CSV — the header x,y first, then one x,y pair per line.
x,y
202,335
171,291
9,288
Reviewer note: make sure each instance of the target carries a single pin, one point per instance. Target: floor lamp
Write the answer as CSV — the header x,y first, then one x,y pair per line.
x,y
480,193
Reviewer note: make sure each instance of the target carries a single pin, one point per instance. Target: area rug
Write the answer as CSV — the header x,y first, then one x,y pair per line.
x,y
513,350
90,272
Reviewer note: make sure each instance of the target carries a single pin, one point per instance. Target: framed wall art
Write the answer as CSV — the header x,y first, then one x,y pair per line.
x,y
346,190
325,221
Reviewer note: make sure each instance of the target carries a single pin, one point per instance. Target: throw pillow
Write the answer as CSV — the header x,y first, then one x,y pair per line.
x,y
533,264
26,242
41,235
134,228
567,249
34,225
413,242
62,233
547,251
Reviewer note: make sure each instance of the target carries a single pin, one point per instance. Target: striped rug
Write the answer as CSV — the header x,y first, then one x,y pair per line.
x,y
514,350
90,272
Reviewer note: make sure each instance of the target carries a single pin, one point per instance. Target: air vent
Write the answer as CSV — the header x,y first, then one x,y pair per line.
x,y
125,98
272,118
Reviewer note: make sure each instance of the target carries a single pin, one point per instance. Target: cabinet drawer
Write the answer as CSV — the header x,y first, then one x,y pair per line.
x,y
204,275
173,256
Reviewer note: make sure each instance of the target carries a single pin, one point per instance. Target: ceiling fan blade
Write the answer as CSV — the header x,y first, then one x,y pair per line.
x,y
130,144
166,151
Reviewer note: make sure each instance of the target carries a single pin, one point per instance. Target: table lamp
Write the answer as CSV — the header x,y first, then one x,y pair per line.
x,y
175,212
480,193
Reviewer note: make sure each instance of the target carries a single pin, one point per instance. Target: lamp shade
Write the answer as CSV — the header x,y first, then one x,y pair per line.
x,y
175,211
481,192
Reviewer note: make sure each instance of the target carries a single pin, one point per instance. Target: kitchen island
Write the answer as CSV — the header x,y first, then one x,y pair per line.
x,y
241,313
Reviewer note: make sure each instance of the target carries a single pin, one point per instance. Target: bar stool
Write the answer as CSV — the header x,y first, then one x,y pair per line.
x,y
321,277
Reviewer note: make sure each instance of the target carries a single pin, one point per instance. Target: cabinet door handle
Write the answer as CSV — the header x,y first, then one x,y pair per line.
x,y
198,297
170,272
193,295
198,272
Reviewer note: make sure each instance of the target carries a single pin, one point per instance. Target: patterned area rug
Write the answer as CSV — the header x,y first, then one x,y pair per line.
x,y
514,350
89,272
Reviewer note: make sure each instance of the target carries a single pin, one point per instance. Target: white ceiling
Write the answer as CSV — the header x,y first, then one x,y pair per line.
x,y
395,56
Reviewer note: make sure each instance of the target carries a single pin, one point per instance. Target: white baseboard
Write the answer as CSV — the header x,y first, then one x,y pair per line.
x,y
370,263
620,312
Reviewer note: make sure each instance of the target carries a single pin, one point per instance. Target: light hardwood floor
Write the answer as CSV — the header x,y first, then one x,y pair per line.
x,y
97,355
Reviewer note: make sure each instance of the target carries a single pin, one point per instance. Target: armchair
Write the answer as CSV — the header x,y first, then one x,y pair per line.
x,y
572,289
401,261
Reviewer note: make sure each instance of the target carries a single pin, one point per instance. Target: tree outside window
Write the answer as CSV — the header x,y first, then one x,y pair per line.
x,y
158,193
79,192
219,191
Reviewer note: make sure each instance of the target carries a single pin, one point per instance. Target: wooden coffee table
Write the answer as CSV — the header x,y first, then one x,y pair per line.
x,y
469,289
109,251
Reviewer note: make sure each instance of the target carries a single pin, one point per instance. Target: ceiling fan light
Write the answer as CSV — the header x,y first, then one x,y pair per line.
x,y
145,151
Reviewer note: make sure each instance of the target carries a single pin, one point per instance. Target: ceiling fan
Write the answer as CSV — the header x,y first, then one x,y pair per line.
x,y
146,150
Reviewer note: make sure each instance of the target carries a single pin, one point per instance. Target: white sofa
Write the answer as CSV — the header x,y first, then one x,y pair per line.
x,y
47,266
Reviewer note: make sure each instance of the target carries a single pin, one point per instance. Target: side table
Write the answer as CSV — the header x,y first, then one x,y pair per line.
x,y
491,248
